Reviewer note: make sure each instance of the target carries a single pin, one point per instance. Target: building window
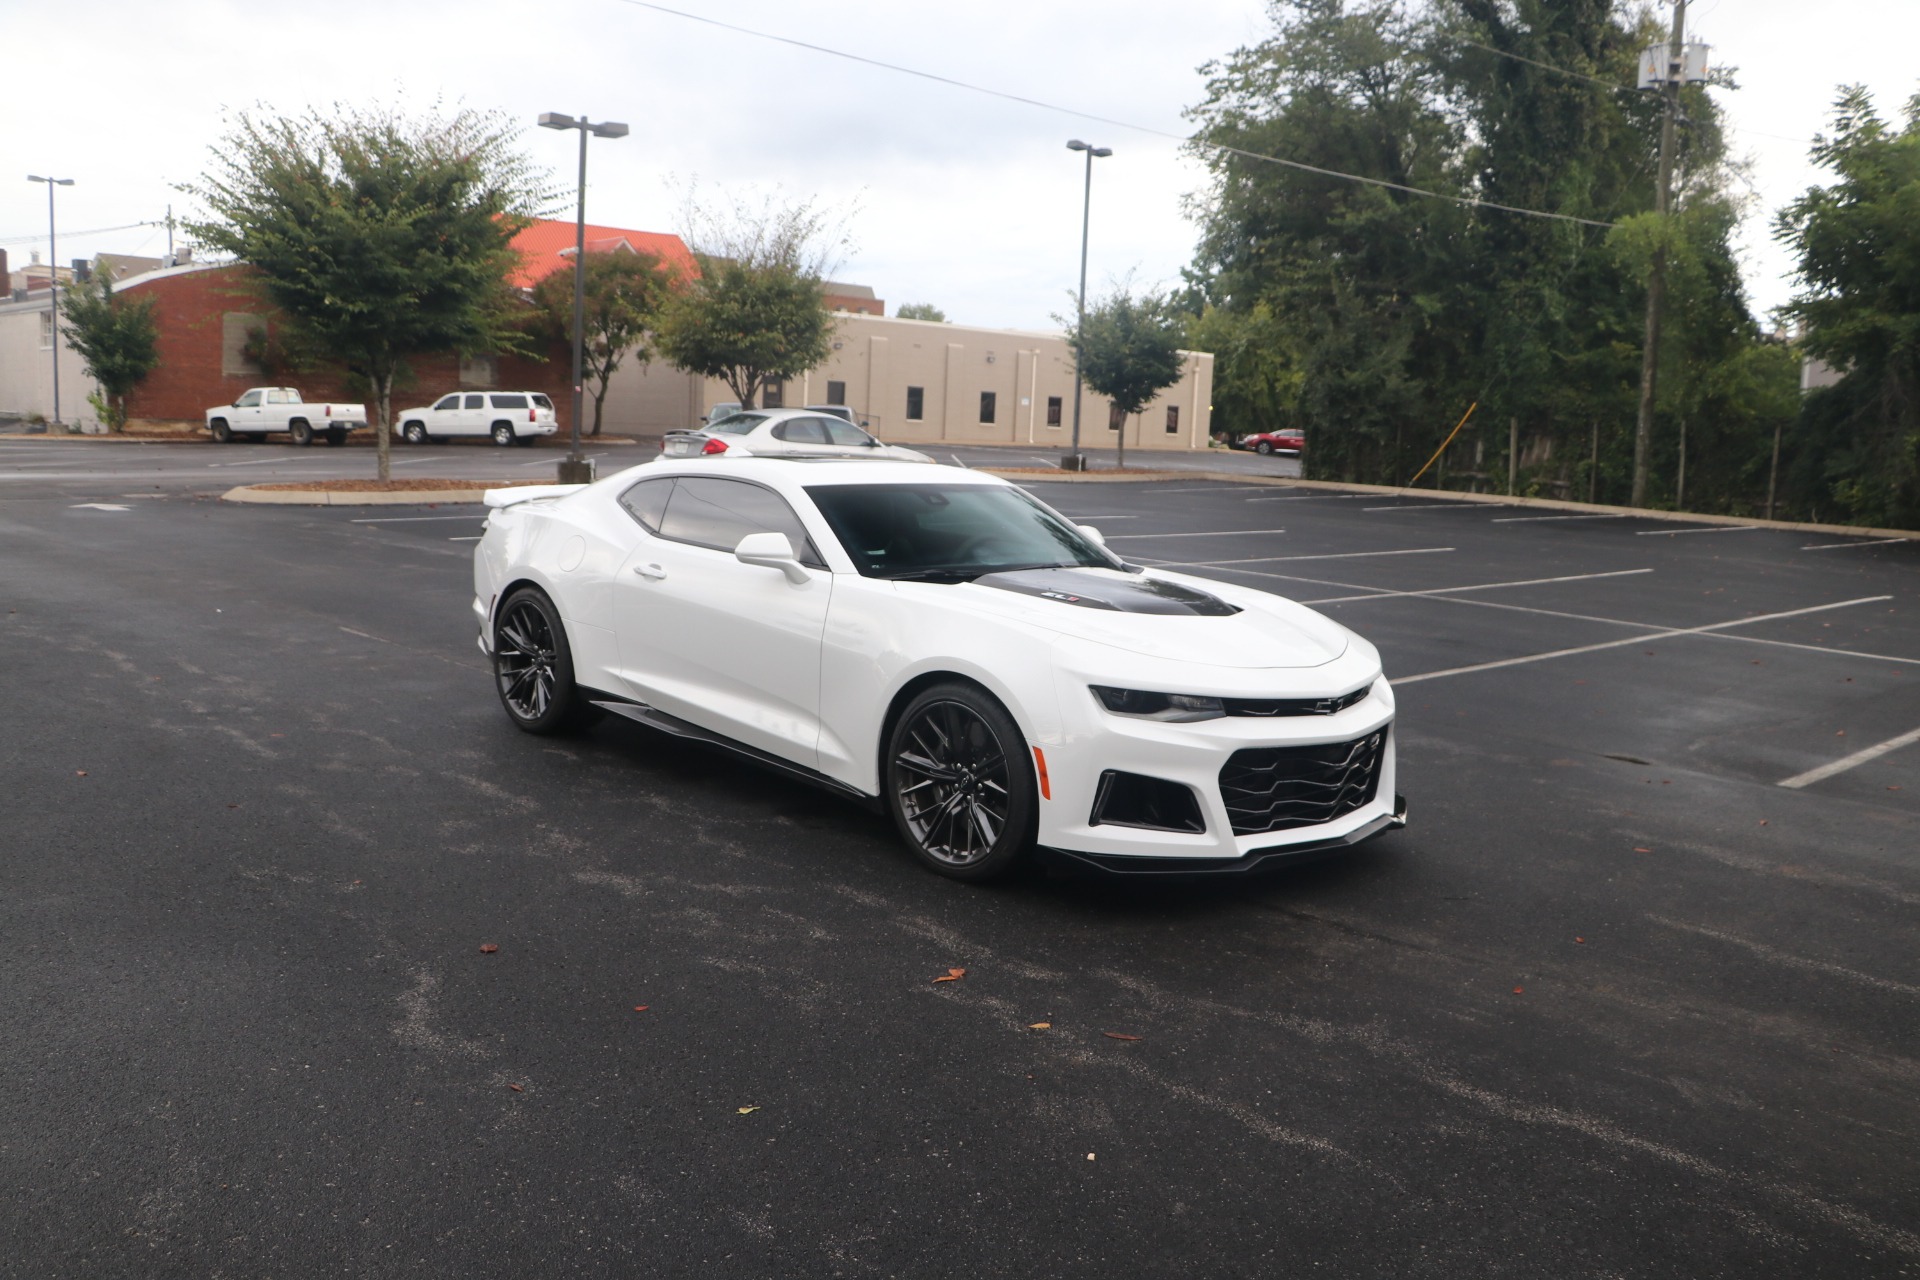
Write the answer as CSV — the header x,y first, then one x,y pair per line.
x,y
1114,417
986,406
46,329
836,392
774,396
243,338
1173,419
1053,411
916,403
478,371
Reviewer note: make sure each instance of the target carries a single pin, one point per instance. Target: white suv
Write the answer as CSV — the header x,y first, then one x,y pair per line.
x,y
510,417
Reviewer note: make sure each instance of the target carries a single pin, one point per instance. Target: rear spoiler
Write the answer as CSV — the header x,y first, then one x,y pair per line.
x,y
527,493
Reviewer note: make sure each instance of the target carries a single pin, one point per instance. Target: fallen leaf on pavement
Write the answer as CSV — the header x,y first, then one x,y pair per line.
x,y
952,975
1640,848
1519,991
641,1008
1038,1026
80,773
1118,1035
516,1088
745,1110
1579,939
488,948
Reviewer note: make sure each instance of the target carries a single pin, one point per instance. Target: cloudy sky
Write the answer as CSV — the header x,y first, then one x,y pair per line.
x,y
965,201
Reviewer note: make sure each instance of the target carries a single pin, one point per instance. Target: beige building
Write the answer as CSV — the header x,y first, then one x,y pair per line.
x,y
924,382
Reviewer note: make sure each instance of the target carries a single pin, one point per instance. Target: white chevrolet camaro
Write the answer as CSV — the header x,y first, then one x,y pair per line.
x,y
938,643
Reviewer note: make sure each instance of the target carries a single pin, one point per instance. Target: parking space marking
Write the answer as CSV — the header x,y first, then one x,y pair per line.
x,y
284,457
1640,639
1616,515
475,538
408,519
1670,533
1836,546
548,462
1845,763
1434,506
1483,586
1792,961
1208,533
1337,555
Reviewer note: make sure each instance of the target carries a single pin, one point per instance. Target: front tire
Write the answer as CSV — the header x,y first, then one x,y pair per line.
x,y
503,434
1264,448
414,433
222,433
300,431
533,665
959,784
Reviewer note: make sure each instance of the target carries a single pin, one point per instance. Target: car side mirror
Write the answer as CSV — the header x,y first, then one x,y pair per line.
x,y
1092,533
772,551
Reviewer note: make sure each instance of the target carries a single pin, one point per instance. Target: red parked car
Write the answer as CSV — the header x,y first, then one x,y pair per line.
x,y
1288,440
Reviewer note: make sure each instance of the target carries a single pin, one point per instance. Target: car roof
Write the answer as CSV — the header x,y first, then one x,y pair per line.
x,y
803,471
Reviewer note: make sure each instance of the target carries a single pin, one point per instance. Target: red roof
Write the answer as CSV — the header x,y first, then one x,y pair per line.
x,y
541,248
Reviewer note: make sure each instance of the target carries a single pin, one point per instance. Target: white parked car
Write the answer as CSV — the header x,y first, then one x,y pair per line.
x,y
510,417
786,432
937,642
263,411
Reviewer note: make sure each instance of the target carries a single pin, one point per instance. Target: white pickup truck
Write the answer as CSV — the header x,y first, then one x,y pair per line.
x,y
265,410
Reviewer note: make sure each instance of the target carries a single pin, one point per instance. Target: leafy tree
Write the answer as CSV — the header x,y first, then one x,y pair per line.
x,y
117,338
920,311
1858,242
758,312
1128,349
1256,379
381,238
626,292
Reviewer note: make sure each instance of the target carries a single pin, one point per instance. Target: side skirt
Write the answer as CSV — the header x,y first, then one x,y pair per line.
x,y
654,718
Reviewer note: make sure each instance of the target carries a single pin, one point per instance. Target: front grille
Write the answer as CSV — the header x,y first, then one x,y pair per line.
x,y
1295,706
1280,788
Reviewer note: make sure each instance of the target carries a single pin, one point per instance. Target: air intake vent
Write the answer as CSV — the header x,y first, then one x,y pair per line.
x,y
1281,788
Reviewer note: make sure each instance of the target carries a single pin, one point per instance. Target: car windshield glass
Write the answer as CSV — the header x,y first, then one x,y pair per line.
x,y
737,425
955,531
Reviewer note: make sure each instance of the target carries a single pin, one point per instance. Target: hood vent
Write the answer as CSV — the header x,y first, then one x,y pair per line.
x,y
1093,590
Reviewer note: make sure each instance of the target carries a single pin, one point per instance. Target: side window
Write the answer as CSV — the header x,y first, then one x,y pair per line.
x,y
916,403
251,400
845,434
801,431
277,396
836,392
718,513
647,502
1053,411
448,402
510,402
476,402
1173,419
987,400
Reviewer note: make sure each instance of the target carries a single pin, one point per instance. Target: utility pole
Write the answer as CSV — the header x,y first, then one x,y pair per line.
x,y
1076,460
1657,282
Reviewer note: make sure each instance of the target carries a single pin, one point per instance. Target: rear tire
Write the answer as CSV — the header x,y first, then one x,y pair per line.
x,y
222,433
300,431
959,783
336,436
503,434
533,666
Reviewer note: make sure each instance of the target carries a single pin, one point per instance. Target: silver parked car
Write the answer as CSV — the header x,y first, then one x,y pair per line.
x,y
785,432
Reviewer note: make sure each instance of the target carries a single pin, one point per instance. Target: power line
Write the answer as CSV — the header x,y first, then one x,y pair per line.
x,y
1547,66
1118,124
94,231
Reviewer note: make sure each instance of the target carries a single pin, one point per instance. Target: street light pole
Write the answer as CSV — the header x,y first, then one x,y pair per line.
x,y
1076,460
53,283
1657,279
576,469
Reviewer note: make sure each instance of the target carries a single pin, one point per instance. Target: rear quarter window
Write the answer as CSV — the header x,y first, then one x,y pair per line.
x,y
510,402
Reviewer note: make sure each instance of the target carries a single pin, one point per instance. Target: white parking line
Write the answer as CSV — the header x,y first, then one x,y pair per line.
x,y
409,519
1670,533
1338,555
1845,763
1432,506
1835,546
1792,961
1642,639
1620,515
280,457
475,538
1483,586
1304,497
1209,533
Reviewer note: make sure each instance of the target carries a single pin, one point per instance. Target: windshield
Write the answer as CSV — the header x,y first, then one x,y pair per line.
x,y
954,532
738,424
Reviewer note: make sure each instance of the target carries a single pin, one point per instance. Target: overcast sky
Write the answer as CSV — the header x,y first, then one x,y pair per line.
x,y
965,201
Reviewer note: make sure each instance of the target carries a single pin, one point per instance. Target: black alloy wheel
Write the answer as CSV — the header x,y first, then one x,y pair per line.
x,y
959,784
301,431
222,433
533,665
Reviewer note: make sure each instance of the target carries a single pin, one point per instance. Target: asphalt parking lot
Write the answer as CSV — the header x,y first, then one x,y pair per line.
x,y
1634,995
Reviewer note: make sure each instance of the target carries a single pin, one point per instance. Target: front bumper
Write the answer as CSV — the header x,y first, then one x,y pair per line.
x,y
1257,860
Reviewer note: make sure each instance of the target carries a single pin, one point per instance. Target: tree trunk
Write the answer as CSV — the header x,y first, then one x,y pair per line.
x,y
599,401
383,416
1123,443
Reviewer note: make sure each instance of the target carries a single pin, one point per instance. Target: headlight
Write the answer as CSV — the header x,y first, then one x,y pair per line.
x,y
1177,708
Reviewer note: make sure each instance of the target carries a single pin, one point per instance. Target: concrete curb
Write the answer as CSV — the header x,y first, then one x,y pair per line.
x,y
1449,495
327,498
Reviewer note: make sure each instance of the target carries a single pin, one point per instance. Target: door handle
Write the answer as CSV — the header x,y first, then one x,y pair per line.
x,y
650,571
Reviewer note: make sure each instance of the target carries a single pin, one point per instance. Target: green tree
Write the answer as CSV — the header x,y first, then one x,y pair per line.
x,y
1858,244
380,237
920,311
1128,350
116,338
758,312
1256,380
626,293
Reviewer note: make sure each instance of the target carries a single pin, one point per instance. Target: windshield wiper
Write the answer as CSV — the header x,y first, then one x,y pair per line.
x,y
957,573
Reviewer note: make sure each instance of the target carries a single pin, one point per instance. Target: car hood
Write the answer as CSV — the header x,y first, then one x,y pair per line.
x,y
1163,615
